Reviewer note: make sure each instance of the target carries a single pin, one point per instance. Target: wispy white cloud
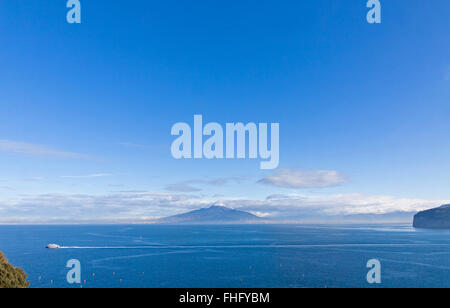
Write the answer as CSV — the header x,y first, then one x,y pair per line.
x,y
116,185
219,181
88,176
289,178
6,188
134,145
182,187
189,186
33,179
140,146
36,150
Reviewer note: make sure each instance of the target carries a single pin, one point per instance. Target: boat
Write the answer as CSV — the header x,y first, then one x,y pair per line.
x,y
52,246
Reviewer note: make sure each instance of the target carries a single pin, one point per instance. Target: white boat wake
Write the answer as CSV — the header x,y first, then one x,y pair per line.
x,y
254,246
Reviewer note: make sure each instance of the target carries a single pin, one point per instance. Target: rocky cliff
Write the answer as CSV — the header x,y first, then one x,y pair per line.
x,y
438,218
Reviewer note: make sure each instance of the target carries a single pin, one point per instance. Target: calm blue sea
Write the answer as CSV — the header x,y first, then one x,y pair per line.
x,y
230,256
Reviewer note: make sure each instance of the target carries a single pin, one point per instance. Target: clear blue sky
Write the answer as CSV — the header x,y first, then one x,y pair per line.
x,y
86,110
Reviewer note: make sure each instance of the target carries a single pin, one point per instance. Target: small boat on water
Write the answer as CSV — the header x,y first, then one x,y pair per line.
x,y
52,246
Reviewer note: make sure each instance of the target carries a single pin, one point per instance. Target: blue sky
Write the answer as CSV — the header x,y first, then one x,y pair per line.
x,y
86,110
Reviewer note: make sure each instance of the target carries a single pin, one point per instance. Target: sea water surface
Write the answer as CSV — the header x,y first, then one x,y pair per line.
x,y
230,256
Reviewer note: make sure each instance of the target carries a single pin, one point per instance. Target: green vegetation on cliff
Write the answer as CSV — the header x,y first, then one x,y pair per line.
x,y
10,276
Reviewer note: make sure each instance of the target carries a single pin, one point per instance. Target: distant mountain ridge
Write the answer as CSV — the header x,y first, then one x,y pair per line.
x,y
437,218
211,215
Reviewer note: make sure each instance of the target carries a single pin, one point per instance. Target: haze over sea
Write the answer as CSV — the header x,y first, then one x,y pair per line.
x,y
230,255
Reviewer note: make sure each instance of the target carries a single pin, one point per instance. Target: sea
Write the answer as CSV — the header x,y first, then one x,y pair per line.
x,y
230,256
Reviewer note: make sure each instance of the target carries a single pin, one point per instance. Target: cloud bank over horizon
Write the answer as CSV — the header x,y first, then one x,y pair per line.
x,y
139,207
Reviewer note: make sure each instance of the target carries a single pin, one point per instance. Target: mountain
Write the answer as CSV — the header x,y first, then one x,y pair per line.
x,y
211,215
438,218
